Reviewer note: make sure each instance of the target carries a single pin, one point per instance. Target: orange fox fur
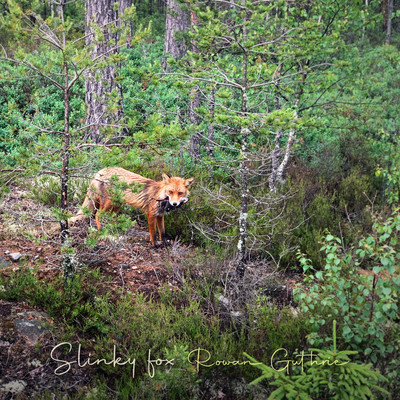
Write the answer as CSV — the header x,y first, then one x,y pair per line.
x,y
156,198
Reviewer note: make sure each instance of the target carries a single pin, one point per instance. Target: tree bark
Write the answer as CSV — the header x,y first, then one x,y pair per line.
x,y
210,137
244,215
176,21
68,264
65,151
195,139
366,9
243,172
101,83
384,14
390,6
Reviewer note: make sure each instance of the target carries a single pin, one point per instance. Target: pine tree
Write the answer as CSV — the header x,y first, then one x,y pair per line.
x,y
255,62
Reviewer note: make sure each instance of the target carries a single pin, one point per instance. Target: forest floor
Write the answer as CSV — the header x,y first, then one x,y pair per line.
x,y
130,260
129,263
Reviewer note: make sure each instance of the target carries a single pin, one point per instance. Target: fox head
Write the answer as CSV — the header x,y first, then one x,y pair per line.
x,y
176,189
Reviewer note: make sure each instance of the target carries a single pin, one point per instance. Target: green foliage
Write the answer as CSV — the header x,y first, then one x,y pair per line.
x,y
299,220
46,189
354,131
347,85
171,328
111,224
71,300
277,328
155,111
179,381
327,374
365,302
391,173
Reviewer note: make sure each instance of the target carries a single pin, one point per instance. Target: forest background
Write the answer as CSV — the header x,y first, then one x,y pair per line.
x,y
286,113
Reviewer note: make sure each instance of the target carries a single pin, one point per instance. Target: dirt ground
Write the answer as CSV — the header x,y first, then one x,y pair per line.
x,y
129,259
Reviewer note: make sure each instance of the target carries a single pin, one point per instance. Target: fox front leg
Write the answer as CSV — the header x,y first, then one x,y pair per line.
x,y
161,230
152,229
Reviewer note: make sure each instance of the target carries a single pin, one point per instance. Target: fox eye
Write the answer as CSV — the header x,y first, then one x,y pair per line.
x,y
170,192
180,194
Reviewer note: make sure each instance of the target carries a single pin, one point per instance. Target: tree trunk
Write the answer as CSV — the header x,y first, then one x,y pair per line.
x,y
366,10
176,21
384,14
243,216
195,140
210,137
101,83
66,134
389,21
243,173
67,263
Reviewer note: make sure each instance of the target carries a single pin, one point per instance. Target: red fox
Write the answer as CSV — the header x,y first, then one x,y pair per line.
x,y
156,198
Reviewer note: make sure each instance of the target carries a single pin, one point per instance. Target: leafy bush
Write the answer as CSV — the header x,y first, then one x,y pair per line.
x,y
70,301
364,301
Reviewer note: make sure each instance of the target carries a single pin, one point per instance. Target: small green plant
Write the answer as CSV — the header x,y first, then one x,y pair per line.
x,y
329,375
360,288
364,301
178,381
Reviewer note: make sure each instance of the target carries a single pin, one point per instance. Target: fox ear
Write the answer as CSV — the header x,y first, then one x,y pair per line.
x,y
188,182
165,178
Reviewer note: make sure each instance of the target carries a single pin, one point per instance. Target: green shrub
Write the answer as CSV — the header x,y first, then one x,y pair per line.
x,y
72,301
325,374
272,328
365,302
